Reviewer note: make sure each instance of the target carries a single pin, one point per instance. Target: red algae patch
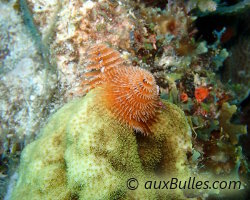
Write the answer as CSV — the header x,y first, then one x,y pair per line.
x,y
130,93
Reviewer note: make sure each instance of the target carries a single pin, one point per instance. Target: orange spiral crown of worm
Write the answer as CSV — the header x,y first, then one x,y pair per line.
x,y
130,93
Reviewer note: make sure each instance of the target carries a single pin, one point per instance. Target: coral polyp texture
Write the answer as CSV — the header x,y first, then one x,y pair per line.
x,y
129,92
83,153
52,52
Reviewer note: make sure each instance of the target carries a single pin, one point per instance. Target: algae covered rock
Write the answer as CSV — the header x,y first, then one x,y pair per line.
x,y
85,153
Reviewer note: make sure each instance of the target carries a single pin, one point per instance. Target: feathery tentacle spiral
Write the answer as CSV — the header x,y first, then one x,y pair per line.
x,y
129,92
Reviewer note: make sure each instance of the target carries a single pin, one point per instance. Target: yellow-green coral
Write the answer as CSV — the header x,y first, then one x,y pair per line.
x,y
232,130
84,153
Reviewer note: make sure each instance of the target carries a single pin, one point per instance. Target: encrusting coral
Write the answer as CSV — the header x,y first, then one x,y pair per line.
x,y
83,153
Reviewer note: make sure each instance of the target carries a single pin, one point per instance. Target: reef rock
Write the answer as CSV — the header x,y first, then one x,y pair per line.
x,y
27,86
